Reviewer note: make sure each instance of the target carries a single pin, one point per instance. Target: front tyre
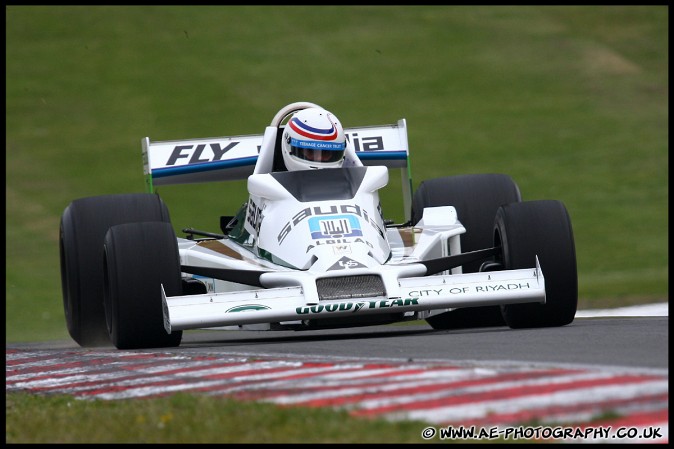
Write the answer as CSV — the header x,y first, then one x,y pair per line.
x,y
539,228
476,198
82,230
138,259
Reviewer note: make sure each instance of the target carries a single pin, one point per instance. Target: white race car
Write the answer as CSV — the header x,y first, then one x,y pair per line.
x,y
311,249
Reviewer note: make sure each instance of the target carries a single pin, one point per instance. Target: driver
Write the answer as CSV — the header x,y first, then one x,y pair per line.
x,y
313,138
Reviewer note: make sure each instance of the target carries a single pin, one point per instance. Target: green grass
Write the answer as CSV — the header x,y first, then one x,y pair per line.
x,y
182,418
571,101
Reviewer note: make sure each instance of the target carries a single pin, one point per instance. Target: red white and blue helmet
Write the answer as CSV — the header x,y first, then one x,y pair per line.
x,y
313,138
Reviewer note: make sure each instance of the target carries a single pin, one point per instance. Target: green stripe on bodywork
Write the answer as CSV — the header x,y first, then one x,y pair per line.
x,y
264,254
148,183
247,308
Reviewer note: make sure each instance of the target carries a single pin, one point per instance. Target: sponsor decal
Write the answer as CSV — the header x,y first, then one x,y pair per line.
x,y
341,243
469,289
195,154
324,212
247,308
345,263
374,143
188,154
329,146
254,216
341,249
356,306
334,227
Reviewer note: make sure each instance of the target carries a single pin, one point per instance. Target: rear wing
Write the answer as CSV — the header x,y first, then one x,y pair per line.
x,y
234,158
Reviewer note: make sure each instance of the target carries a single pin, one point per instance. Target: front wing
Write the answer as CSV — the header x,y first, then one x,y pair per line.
x,y
404,294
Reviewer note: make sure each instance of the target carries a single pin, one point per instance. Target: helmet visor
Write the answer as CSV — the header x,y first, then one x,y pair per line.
x,y
321,152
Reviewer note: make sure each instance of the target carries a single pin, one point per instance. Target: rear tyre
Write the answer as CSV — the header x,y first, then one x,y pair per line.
x,y
540,228
476,199
84,224
139,259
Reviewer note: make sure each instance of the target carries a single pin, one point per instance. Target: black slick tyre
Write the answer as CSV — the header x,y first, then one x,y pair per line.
x,y
83,226
476,198
540,228
140,258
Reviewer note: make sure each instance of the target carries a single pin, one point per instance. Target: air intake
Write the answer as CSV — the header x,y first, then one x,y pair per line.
x,y
348,287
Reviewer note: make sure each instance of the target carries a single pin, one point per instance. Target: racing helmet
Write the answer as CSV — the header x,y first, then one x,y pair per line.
x,y
313,138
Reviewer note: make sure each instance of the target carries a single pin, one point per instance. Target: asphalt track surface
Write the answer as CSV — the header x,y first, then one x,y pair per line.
x,y
640,342
637,342
482,376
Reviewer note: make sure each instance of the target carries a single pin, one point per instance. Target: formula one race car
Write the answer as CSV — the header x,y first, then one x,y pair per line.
x,y
311,249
